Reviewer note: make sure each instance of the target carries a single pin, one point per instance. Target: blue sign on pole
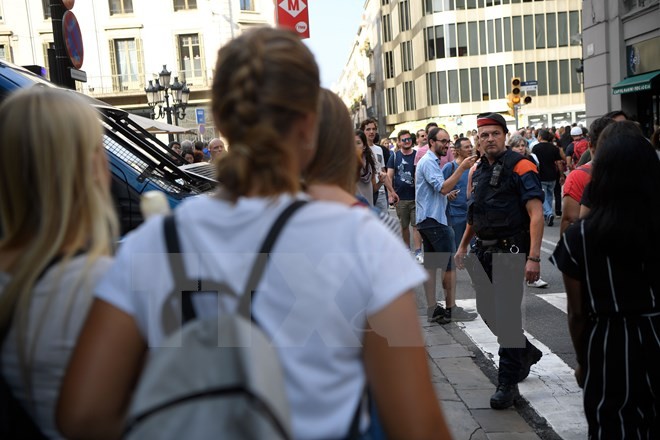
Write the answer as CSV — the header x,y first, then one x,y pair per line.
x,y
201,117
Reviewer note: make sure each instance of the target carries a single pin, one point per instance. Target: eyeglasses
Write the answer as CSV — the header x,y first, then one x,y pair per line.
x,y
442,141
406,139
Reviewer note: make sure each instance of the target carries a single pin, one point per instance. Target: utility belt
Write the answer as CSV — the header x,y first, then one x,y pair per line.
x,y
516,244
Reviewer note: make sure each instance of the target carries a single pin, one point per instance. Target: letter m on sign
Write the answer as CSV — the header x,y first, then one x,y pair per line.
x,y
294,15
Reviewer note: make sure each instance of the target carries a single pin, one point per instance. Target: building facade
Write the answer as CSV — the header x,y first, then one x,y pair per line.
x,y
127,42
448,60
622,59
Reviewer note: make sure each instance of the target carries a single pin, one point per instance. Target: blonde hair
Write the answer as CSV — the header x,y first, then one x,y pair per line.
x,y
335,161
52,204
264,81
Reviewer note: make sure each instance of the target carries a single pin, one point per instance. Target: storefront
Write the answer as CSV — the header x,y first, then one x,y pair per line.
x,y
640,90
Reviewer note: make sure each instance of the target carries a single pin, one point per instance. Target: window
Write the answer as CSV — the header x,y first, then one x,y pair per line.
x,y
506,33
493,81
247,5
46,7
451,40
460,4
465,85
501,83
564,77
387,28
406,56
551,26
190,57
5,52
46,46
462,39
431,6
121,7
517,33
442,87
404,16
389,64
391,101
384,2
180,5
485,96
519,70
473,38
491,36
475,85
574,28
435,42
553,78
562,28
542,78
452,82
498,35
530,71
432,89
540,31
483,49
126,63
528,23
575,83
409,96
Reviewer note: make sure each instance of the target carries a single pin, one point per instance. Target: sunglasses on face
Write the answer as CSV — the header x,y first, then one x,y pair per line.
x,y
406,139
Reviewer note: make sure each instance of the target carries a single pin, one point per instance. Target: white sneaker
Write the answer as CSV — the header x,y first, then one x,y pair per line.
x,y
538,284
419,256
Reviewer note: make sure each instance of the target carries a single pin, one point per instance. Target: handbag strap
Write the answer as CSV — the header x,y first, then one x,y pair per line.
x,y
175,258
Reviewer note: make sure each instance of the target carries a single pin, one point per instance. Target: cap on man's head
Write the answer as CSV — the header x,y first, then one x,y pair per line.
x,y
576,131
484,119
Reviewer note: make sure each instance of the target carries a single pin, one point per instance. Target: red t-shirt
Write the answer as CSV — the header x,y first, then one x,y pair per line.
x,y
576,181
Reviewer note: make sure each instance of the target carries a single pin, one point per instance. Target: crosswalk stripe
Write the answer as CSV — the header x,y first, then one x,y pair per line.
x,y
557,300
550,388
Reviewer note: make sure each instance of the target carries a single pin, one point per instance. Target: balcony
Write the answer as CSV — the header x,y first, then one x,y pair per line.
x,y
371,80
119,85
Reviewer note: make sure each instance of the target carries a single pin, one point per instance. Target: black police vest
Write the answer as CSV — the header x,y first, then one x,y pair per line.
x,y
496,209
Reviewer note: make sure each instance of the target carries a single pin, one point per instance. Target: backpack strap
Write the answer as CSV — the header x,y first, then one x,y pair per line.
x,y
178,269
245,304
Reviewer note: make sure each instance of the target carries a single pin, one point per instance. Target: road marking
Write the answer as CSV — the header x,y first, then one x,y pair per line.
x,y
551,243
555,299
550,388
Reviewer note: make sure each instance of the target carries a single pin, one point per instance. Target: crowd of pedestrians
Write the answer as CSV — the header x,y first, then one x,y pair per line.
x,y
79,314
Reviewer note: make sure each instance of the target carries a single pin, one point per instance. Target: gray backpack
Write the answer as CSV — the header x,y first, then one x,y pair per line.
x,y
214,378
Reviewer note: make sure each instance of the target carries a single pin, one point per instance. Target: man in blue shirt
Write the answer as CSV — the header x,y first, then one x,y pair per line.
x,y
431,190
401,171
457,208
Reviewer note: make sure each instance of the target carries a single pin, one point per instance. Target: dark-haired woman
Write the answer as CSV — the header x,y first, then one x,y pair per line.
x,y
367,179
610,264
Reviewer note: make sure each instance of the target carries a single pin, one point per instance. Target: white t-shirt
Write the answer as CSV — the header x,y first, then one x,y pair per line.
x,y
60,309
331,267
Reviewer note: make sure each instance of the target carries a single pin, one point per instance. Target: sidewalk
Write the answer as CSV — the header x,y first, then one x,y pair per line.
x,y
464,391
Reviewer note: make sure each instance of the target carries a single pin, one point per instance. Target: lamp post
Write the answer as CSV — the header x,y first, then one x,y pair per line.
x,y
158,94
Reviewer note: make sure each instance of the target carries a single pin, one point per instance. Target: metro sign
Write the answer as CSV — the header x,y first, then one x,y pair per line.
x,y
294,15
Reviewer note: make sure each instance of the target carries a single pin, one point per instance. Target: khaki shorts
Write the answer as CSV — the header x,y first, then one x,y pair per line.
x,y
405,210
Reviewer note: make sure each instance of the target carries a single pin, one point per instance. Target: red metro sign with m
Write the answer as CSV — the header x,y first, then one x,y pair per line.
x,y
294,15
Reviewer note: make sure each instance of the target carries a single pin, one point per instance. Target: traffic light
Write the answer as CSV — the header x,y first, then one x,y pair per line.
x,y
527,99
513,98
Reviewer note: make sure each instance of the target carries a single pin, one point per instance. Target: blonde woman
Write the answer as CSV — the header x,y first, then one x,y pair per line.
x,y
58,229
353,324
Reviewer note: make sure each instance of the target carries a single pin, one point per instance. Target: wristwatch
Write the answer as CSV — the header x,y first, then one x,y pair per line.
x,y
534,259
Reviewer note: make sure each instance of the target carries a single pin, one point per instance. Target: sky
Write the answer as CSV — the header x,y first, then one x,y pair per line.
x,y
333,25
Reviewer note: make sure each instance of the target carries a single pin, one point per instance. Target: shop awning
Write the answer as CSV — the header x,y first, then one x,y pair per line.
x,y
635,83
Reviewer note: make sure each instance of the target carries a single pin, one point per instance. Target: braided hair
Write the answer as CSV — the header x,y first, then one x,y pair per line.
x,y
265,80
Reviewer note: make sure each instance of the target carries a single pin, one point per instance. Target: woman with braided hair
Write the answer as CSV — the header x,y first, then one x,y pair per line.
x,y
336,321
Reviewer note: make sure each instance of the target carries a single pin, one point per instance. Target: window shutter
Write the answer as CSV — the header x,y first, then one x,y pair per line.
x,y
203,58
140,59
113,66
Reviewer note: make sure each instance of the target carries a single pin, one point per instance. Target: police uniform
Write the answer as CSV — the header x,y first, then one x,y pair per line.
x,y
498,215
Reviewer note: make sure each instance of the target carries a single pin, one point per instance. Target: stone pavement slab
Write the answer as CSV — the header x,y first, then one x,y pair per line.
x,y
464,391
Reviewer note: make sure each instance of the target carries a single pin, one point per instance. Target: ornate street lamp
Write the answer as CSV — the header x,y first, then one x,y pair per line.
x,y
158,95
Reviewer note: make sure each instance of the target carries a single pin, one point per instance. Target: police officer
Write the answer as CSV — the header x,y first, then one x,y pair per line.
x,y
506,215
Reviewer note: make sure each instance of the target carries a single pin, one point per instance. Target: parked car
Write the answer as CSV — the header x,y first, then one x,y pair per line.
x,y
139,162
